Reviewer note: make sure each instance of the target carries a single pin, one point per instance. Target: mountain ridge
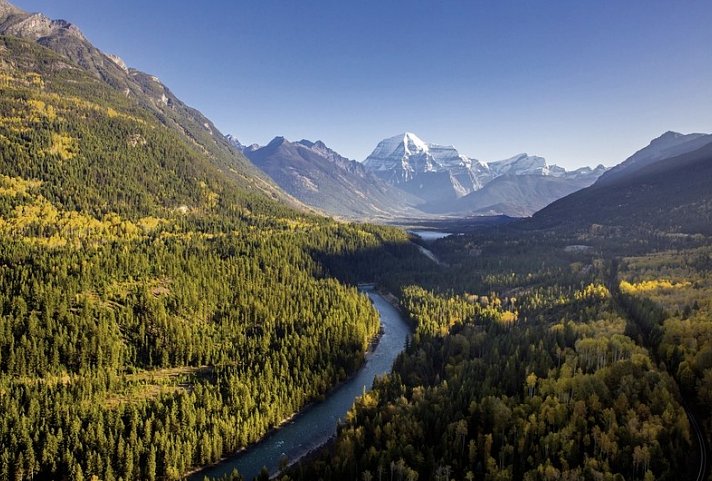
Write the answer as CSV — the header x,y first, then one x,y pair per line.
x,y
144,89
667,145
324,179
448,182
671,193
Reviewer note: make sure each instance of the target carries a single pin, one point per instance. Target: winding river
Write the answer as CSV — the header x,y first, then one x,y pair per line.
x,y
316,424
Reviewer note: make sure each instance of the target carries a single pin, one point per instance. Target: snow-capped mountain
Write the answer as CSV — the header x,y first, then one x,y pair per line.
x,y
524,164
233,141
407,177
402,158
440,175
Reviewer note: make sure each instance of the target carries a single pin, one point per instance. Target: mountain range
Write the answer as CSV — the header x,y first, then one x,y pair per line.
x,y
407,177
323,179
168,300
404,176
448,182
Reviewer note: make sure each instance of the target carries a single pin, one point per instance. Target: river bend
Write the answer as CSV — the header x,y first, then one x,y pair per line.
x,y
314,426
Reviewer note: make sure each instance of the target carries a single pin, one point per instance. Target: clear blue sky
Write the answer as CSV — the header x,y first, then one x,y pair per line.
x,y
578,82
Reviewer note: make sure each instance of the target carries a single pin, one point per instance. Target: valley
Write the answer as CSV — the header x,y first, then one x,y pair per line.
x,y
405,177
175,304
316,424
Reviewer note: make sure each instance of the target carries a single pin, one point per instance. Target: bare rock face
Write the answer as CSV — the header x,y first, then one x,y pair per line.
x,y
7,9
325,180
37,26
118,61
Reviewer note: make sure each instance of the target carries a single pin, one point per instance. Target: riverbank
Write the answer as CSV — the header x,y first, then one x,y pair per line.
x,y
313,426
391,299
191,475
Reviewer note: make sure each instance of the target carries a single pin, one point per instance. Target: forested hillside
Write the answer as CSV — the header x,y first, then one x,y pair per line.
x,y
541,355
98,151
671,289
156,313
113,83
163,305
138,350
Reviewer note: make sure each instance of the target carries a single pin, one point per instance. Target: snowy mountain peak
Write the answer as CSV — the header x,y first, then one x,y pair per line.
x,y
403,157
234,141
318,145
520,164
439,173
401,145
413,144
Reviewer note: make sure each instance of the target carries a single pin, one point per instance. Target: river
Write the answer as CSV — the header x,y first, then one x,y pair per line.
x,y
314,426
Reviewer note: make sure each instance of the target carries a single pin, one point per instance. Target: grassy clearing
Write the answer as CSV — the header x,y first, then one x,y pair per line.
x,y
151,384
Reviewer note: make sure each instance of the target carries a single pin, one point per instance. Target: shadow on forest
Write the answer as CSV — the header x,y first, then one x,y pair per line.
x,y
389,265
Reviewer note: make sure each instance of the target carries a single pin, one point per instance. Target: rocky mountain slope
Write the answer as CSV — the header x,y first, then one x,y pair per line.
x,y
321,178
141,90
521,195
669,193
446,181
668,145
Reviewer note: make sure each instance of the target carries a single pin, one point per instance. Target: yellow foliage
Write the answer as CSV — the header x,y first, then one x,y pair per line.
x,y
14,186
149,224
14,124
652,285
592,291
6,80
39,109
63,146
507,317
67,102
211,198
35,80
52,242
37,222
558,327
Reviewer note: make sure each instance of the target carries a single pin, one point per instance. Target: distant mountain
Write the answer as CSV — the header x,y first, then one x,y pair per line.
x,y
668,145
406,159
522,195
232,140
524,164
322,178
142,89
448,182
668,193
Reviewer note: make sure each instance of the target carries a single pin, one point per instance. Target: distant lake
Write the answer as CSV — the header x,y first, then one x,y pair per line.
x,y
430,235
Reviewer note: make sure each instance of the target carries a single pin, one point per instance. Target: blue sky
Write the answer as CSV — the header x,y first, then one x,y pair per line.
x,y
579,82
